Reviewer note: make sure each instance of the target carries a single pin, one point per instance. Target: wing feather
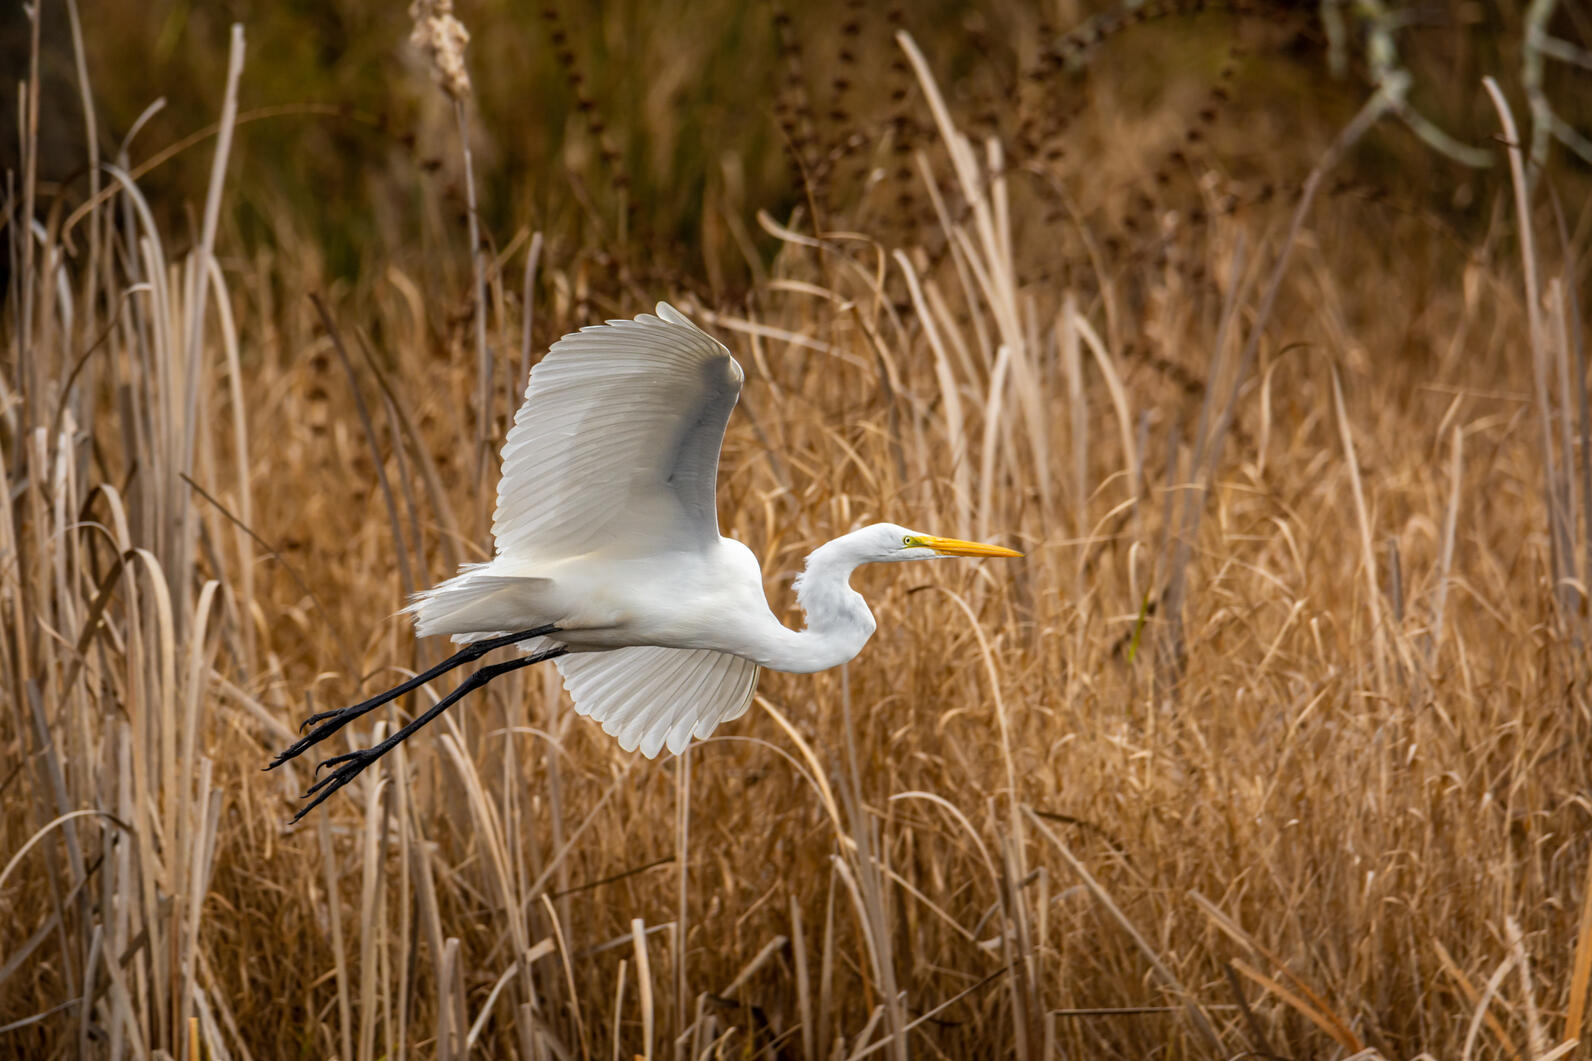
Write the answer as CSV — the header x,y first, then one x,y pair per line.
x,y
651,698
619,434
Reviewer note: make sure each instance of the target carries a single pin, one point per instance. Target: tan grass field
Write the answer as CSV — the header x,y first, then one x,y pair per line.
x,y
1276,744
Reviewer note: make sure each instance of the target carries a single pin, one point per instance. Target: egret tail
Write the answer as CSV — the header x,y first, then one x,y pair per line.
x,y
478,601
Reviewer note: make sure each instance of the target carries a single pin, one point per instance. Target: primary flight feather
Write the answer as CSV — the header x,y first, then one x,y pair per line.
x,y
609,560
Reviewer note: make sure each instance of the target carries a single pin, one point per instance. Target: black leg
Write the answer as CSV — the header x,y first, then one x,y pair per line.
x,y
329,722
354,763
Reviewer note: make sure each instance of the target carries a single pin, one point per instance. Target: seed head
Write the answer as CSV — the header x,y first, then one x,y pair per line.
x,y
442,38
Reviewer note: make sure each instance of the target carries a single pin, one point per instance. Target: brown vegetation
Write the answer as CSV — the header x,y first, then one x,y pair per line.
x,y
1276,742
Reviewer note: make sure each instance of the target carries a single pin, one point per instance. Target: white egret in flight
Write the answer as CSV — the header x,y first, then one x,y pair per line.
x,y
609,558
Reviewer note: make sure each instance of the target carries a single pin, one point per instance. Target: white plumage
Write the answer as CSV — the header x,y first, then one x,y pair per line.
x,y
651,698
613,457
618,436
609,559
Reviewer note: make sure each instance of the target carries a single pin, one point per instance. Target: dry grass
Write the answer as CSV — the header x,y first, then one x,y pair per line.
x,y
1275,743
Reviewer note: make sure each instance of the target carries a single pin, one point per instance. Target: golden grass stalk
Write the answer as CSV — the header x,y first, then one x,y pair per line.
x,y
1580,966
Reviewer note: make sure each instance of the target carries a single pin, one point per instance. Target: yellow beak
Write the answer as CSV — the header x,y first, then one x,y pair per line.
x,y
957,547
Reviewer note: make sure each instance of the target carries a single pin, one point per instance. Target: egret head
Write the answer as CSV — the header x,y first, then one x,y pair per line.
x,y
887,542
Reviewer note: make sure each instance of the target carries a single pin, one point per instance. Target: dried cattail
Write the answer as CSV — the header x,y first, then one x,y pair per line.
x,y
442,38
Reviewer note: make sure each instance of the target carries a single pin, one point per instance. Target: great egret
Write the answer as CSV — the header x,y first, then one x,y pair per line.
x,y
609,558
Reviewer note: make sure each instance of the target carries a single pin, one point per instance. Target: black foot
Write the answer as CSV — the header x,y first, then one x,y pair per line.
x,y
352,765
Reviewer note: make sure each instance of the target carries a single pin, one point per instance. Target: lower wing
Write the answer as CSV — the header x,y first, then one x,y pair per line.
x,y
652,697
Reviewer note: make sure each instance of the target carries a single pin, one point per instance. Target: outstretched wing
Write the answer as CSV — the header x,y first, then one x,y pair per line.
x,y
651,697
618,436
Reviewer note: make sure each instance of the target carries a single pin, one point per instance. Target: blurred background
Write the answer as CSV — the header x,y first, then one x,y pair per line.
x,y
643,136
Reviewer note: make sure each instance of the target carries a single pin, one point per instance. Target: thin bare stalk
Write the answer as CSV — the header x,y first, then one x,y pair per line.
x,y
195,301
1557,531
478,299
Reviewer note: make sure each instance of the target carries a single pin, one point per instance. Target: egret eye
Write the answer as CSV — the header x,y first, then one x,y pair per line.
x,y
907,541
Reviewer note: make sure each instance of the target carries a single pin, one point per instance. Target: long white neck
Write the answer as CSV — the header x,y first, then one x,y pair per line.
x,y
838,620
